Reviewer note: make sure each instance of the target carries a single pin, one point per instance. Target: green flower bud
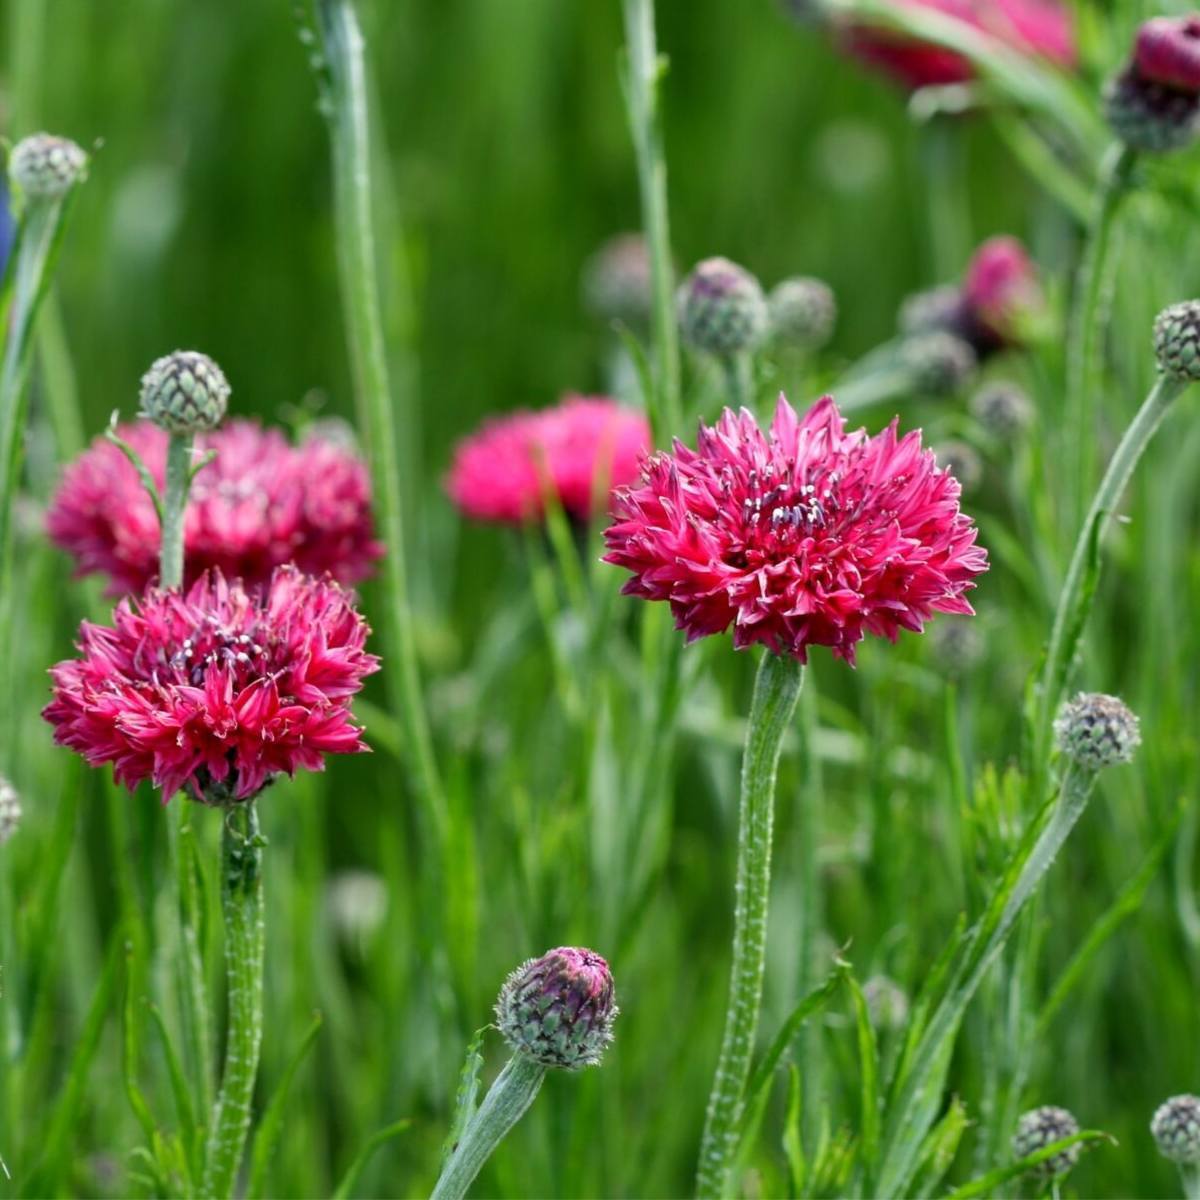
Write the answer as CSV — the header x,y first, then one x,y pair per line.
x,y
1150,116
1096,731
941,363
559,1009
1002,408
1176,1129
722,309
936,308
1177,341
1041,1127
43,165
802,312
962,461
185,392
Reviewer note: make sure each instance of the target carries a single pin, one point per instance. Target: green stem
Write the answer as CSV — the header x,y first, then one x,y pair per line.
x,y
175,496
776,690
917,1098
643,71
1089,319
739,385
506,1103
1189,1177
1070,613
351,150
242,906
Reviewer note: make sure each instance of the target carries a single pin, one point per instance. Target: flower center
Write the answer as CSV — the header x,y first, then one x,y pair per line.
x,y
212,644
787,511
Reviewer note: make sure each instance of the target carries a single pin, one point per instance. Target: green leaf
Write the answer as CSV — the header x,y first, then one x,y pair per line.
x,y
987,1183
868,1059
793,1142
937,1154
467,1098
377,1139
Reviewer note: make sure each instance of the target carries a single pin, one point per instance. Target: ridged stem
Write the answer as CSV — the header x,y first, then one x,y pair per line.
x,y
174,508
776,691
1089,319
643,71
1068,617
242,908
350,139
507,1101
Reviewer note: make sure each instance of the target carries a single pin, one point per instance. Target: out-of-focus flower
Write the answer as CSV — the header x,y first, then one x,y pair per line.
x,y
10,810
887,1002
962,461
45,166
357,903
957,645
1176,1129
1002,408
1153,104
1041,1127
259,504
940,362
559,1009
218,689
1097,731
578,450
804,536
616,280
722,309
802,312
1039,28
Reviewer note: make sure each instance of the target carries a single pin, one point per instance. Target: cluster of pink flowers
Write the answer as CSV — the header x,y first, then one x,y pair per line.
x,y
1041,28
806,536
218,689
260,503
577,451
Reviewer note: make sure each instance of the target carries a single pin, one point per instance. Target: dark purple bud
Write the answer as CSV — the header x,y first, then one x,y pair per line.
x,y
1167,51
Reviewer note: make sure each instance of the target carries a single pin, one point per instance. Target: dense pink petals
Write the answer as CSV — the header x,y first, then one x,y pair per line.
x,y
1167,51
1042,28
584,445
261,503
218,689
806,535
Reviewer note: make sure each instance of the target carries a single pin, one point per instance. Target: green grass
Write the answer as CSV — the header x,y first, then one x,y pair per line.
x,y
503,158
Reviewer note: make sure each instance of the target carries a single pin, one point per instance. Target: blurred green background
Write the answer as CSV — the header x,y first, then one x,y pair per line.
x,y
504,161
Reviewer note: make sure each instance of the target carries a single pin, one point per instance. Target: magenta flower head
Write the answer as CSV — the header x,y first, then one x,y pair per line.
x,y
259,504
1167,51
804,536
1001,294
559,1009
1153,105
218,689
1038,28
577,451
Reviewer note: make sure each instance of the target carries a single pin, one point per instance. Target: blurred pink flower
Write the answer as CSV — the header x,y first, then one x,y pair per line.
x,y
261,503
502,472
1001,293
219,689
1168,52
1042,28
805,536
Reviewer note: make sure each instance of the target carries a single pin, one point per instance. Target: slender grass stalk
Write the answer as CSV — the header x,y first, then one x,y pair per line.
x,y
1074,600
242,907
776,691
1089,319
644,68
507,1101
346,105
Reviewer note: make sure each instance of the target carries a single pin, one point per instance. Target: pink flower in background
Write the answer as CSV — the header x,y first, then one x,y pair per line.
x,y
1001,293
217,690
503,471
1042,28
1168,52
804,536
261,503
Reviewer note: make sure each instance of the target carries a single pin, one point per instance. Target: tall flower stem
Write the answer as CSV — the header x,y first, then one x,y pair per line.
x,y
1071,611
506,1103
643,71
242,907
1089,318
174,508
346,105
1189,1178
776,691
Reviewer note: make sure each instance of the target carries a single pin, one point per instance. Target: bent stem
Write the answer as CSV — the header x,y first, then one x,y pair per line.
x,y
1089,318
506,1103
1071,611
776,691
242,907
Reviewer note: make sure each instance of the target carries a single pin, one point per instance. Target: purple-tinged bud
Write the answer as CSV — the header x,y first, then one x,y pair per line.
x,y
802,312
43,165
939,308
722,309
1002,408
1176,1129
1002,296
1096,731
617,282
1177,341
941,363
1167,51
962,461
185,392
1041,1127
10,810
1149,116
559,1009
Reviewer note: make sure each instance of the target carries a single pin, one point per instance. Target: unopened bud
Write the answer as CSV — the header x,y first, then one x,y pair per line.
x,y
722,309
185,392
802,312
46,166
941,363
1096,731
1041,1127
1176,1129
1177,341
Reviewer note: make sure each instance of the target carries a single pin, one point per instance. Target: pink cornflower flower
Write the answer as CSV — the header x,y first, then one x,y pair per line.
x,y
1001,293
1041,28
504,471
217,689
1167,51
260,503
805,536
